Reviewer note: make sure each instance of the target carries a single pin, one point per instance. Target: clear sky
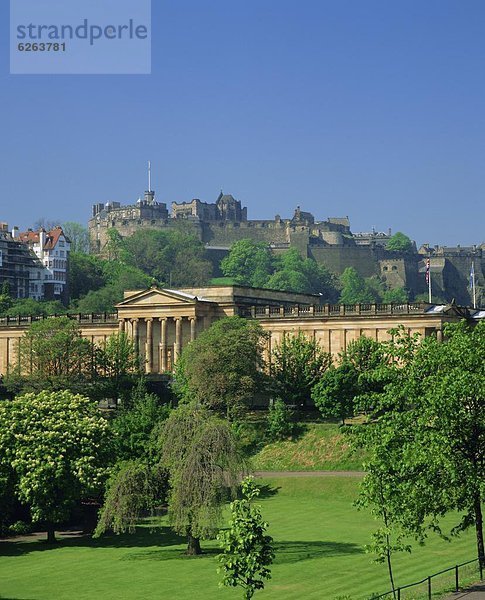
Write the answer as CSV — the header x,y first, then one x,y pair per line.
x,y
373,109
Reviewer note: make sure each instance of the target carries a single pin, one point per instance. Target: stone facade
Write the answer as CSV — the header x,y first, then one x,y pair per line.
x,y
163,321
330,242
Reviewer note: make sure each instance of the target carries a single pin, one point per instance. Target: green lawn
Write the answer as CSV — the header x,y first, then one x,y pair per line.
x,y
318,534
321,446
222,281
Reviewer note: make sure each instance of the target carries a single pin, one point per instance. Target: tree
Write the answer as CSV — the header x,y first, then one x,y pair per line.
x,y
44,223
396,296
355,290
203,460
27,307
135,422
78,236
134,487
294,273
6,300
223,367
247,552
174,258
58,446
280,421
248,263
119,364
400,242
337,391
53,355
426,431
119,277
298,362
85,274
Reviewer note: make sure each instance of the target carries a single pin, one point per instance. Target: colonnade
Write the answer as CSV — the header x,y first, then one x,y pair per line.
x,y
169,332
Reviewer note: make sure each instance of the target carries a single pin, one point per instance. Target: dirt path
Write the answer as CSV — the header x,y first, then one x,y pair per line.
x,y
308,473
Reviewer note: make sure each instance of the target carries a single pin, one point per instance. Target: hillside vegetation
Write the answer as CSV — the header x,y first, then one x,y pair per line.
x,y
321,446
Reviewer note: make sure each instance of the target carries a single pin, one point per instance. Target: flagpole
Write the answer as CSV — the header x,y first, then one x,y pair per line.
x,y
474,287
429,282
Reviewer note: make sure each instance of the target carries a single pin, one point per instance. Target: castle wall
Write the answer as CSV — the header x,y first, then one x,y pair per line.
x,y
338,258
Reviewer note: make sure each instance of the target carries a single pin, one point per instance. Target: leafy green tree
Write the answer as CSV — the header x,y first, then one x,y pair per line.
x,y
135,422
119,277
400,242
78,236
85,274
294,273
114,245
425,434
58,446
355,290
334,394
203,460
53,355
248,263
223,367
119,365
26,307
247,551
174,258
5,298
280,421
337,391
298,363
395,296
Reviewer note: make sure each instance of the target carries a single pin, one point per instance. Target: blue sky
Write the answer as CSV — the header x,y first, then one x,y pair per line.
x,y
373,109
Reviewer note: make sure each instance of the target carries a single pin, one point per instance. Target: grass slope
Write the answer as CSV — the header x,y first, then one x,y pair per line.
x,y
321,447
318,534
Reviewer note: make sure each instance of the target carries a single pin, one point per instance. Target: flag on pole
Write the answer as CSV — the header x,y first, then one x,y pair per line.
x,y
472,276
427,270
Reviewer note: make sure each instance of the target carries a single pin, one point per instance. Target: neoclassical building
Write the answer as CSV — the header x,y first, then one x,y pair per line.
x,y
163,321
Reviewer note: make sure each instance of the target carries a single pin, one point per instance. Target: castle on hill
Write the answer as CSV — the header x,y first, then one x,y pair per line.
x,y
330,242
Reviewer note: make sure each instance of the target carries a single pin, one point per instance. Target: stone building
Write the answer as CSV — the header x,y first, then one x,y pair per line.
x,y
52,248
19,266
163,321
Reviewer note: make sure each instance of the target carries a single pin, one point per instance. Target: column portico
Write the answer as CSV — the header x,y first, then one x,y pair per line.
x,y
178,338
149,346
163,344
193,323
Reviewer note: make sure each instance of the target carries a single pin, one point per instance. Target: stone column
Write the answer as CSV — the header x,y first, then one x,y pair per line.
x,y
135,333
178,339
163,345
193,321
121,325
149,346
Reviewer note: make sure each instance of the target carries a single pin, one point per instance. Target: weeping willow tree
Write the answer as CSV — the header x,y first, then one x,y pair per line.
x,y
204,464
133,489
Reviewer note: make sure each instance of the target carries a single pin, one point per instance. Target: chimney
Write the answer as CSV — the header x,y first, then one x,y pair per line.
x,y
15,232
42,237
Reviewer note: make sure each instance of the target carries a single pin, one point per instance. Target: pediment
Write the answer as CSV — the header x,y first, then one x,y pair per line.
x,y
157,297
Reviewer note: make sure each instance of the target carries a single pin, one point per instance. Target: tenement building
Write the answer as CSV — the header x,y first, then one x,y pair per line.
x,y
20,268
162,321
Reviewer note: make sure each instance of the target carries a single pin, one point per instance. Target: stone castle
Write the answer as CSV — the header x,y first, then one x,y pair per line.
x,y
330,242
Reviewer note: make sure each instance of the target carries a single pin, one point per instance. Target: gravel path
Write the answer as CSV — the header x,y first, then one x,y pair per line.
x,y
477,592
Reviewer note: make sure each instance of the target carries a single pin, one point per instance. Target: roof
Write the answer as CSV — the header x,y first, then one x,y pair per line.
x,y
52,237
